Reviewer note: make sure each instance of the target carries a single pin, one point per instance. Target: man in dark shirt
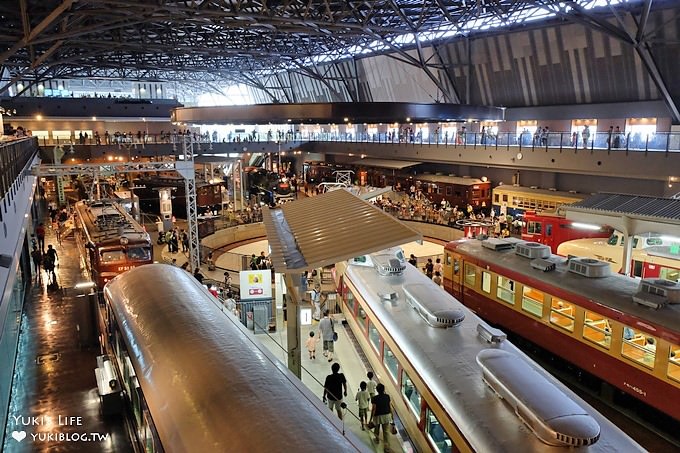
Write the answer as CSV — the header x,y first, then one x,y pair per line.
x,y
334,388
40,234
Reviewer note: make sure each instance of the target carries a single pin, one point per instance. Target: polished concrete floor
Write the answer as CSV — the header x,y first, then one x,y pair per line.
x,y
55,404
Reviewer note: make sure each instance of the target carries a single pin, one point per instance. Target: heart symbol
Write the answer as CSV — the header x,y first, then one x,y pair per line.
x,y
19,435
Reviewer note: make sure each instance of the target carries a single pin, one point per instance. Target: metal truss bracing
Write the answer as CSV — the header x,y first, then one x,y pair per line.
x,y
186,169
241,42
629,27
102,169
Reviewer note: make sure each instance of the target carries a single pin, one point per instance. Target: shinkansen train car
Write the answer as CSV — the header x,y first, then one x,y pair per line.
x,y
456,383
457,190
553,228
197,382
653,256
623,331
111,241
513,200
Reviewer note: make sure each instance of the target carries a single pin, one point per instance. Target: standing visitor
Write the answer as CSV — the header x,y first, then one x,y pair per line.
x,y
326,331
334,388
381,415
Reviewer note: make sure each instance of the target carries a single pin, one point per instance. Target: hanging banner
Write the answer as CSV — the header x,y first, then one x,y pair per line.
x,y
256,284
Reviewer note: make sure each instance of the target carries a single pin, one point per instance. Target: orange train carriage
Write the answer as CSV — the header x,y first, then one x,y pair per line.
x,y
110,240
594,323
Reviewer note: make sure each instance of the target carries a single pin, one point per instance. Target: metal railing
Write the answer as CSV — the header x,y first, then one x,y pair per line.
x,y
630,142
14,158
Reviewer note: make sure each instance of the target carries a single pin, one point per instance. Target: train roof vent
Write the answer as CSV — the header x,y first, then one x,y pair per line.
x,y
657,293
388,265
554,417
552,189
497,244
532,250
433,305
543,265
589,267
534,187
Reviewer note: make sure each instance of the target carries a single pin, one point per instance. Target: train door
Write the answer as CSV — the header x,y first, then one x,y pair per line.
x,y
638,268
453,283
548,238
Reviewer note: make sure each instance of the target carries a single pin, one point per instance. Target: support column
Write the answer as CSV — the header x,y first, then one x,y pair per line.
x,y
186,169
293,327
58,153
627,248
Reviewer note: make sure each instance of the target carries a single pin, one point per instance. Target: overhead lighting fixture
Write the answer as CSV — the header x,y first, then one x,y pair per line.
x,y
82,285
585,226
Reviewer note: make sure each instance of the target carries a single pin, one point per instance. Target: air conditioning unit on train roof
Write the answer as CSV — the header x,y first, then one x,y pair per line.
x,y
388,264
497,244
532,250
589,267
657,293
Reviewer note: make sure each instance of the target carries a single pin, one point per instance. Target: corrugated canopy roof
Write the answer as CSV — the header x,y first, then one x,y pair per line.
x,y
326,229
634,213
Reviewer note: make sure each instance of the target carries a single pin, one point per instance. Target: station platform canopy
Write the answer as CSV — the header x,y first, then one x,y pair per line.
x,y
385,163
632,214
329,228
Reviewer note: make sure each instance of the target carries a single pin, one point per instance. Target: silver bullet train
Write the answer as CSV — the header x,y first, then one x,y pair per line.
x,y
197,382
457,383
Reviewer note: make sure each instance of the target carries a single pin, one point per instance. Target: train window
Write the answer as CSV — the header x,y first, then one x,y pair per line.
x,y
436,433
449,191
361,318
408,389
456,266
391,363
562,314
534,227
548,230
654,241
506,290
470,274
596,329
505,197
613,240
674,362
111,256
486,282
374,336
668,273
349,301
139,254
532,301
638,346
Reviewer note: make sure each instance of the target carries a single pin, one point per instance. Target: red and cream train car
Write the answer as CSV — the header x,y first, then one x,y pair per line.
x,y
593,323
552,229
